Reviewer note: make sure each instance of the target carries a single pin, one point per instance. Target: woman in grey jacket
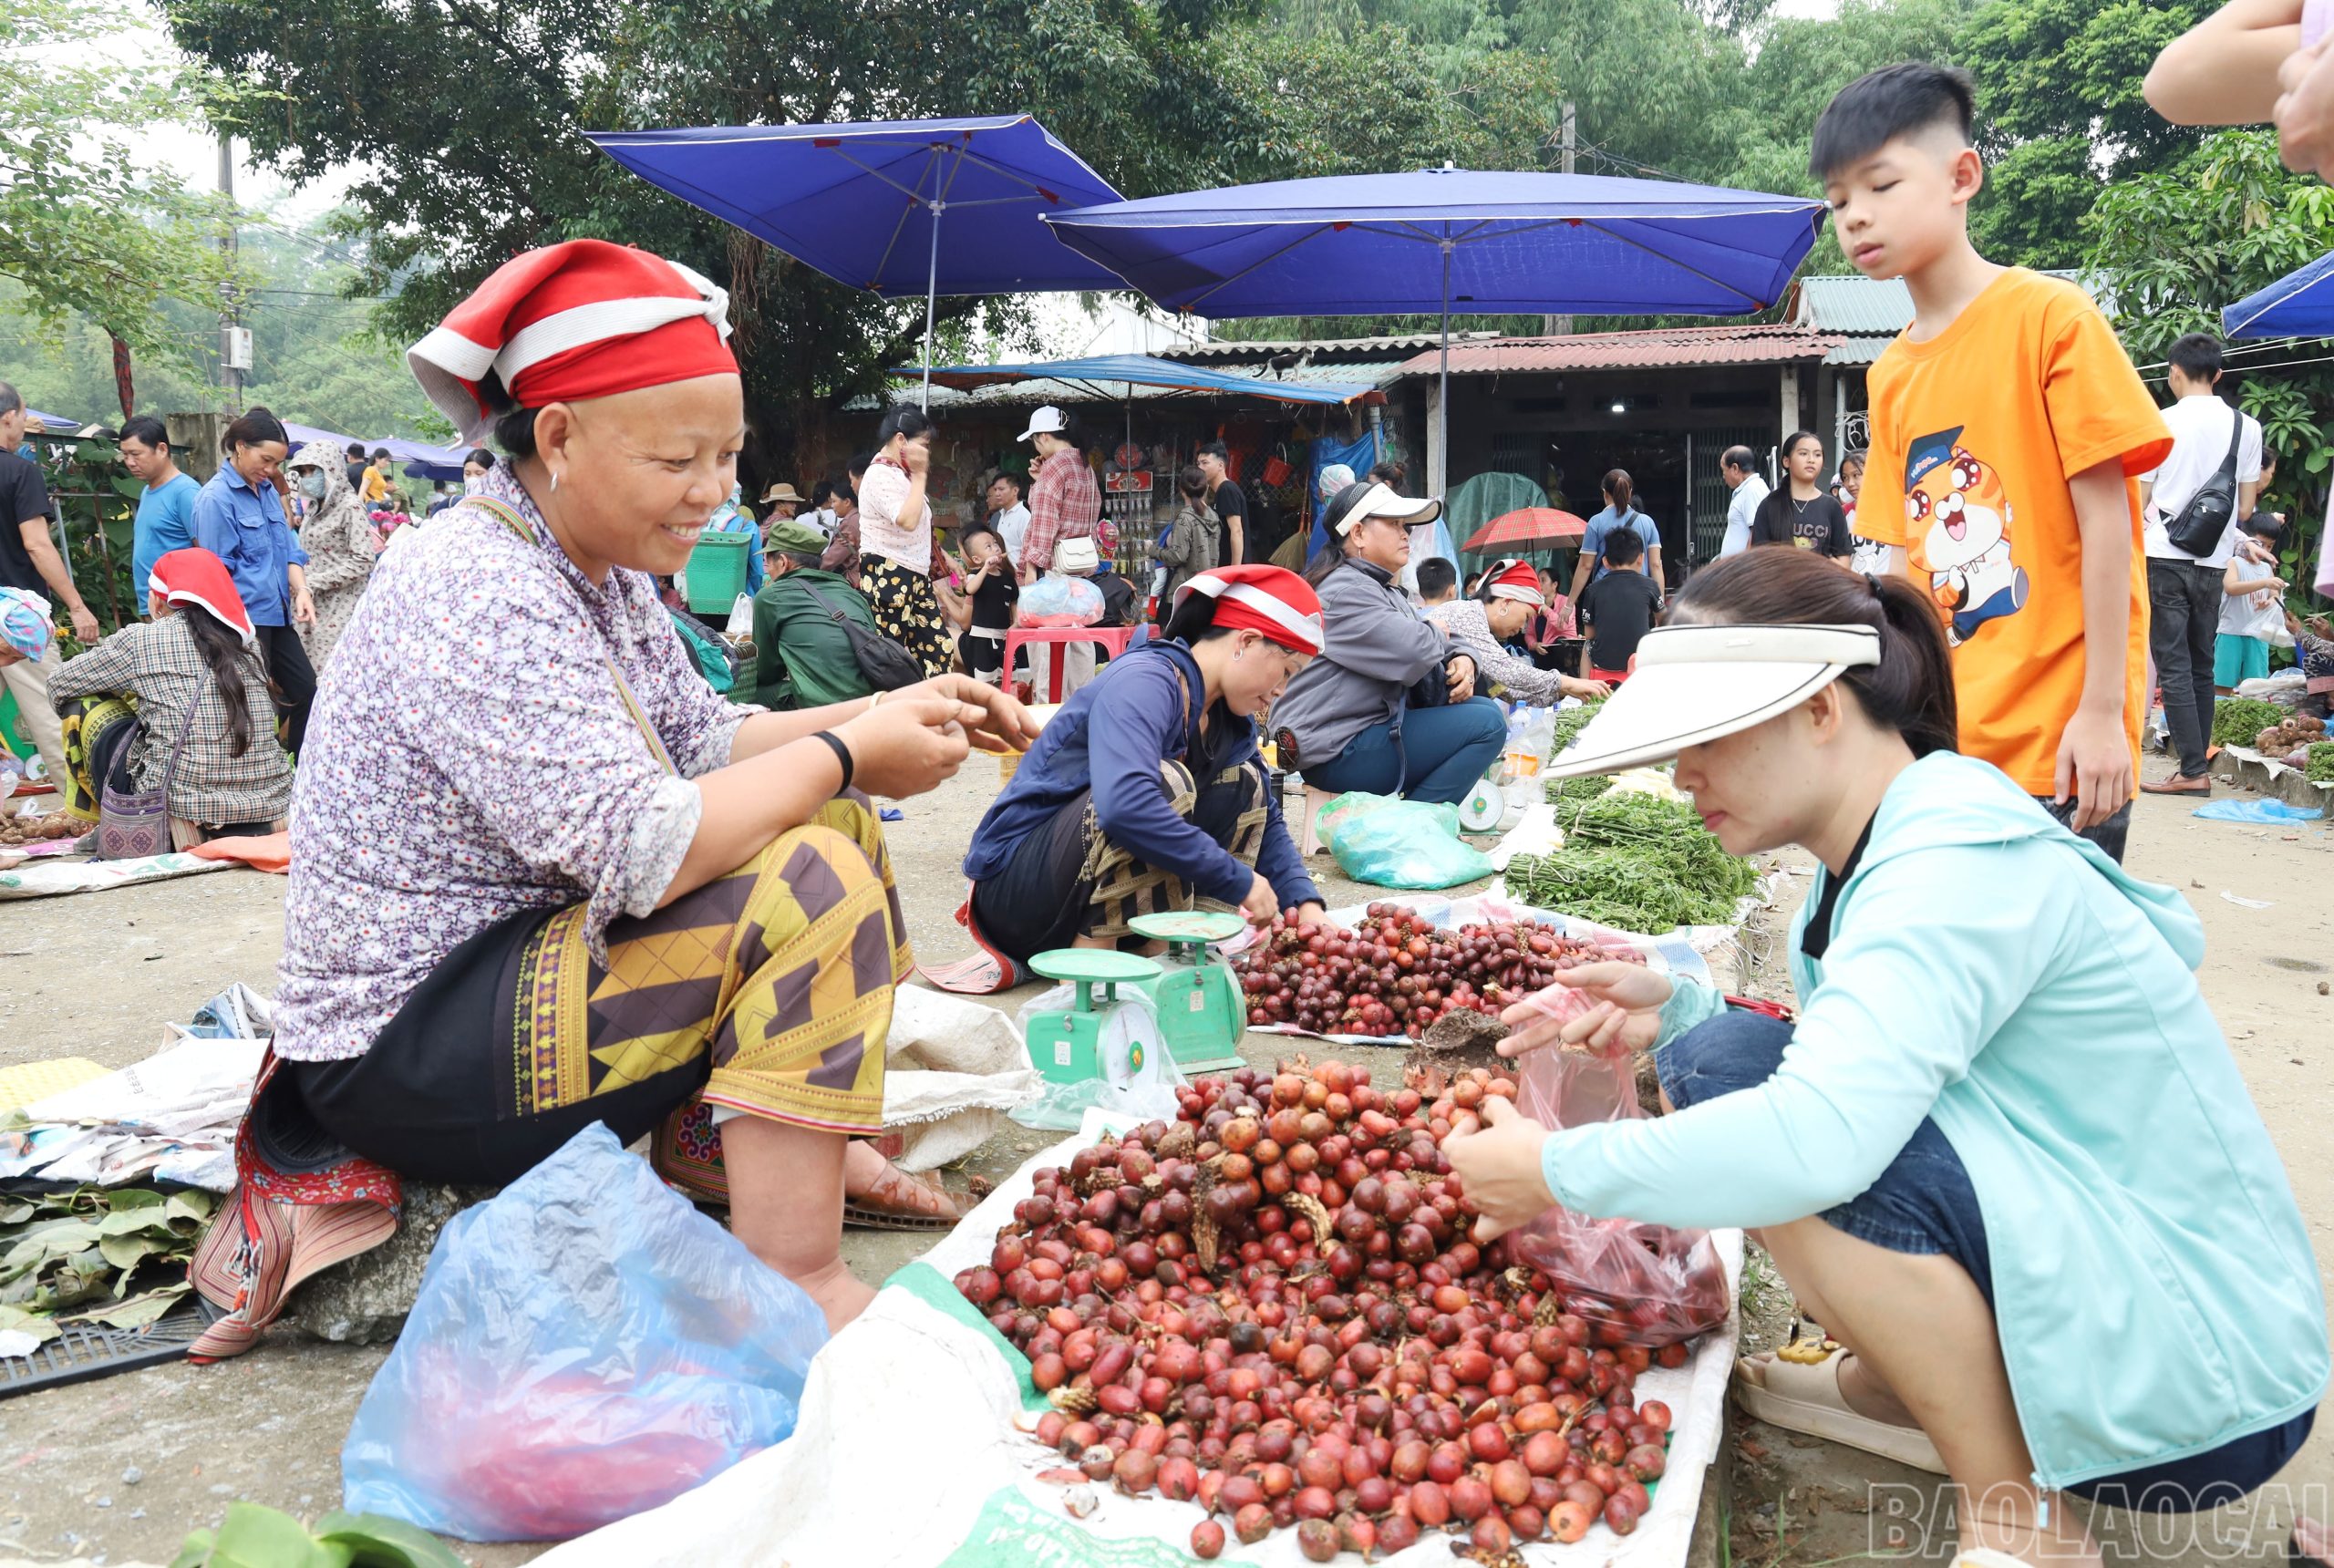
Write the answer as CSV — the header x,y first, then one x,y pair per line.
x,y
1194,542
1389,708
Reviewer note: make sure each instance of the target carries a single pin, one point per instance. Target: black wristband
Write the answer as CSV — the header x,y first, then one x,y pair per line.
x,y
842,755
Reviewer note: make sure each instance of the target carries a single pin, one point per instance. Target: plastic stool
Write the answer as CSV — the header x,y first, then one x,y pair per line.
x,y
1113,638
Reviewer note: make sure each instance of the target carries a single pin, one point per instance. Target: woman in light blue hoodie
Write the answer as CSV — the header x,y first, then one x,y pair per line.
x,y
2003,1156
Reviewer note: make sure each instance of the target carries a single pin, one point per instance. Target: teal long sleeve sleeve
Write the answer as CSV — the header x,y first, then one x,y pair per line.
x,y
1940,948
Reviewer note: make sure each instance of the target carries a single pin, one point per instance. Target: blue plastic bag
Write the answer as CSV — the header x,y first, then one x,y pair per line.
x,y
2264,812
585,1346
1400,843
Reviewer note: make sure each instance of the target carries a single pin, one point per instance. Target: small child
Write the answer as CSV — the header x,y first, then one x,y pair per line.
x,y
2254,605
1619,608
2007,430
991,587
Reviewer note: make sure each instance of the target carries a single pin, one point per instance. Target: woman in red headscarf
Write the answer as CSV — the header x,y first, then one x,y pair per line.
x,y
1483,627
1147,789
205,727
542,875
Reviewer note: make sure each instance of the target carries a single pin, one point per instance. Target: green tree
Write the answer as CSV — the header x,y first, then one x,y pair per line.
x,y
468,119
2175,245
84,229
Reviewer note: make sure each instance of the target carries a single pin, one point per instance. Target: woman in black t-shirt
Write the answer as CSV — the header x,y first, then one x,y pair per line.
x,y
1802,512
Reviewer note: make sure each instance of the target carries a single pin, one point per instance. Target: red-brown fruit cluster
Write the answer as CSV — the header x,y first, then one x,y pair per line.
x,y
1270,1306
1395,973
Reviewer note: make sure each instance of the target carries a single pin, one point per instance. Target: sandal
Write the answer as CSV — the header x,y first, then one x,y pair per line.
x,y
1799,1390
894,1203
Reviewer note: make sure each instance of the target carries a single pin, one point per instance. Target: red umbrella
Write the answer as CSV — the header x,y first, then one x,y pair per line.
x,y
1532,525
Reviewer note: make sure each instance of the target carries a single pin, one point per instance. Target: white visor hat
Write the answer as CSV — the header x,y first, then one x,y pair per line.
x,y
1695,683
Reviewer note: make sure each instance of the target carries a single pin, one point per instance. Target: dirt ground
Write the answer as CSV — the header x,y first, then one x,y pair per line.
x,y
98,975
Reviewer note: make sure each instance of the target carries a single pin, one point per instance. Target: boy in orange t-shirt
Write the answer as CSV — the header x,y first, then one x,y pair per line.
x,y
2007,428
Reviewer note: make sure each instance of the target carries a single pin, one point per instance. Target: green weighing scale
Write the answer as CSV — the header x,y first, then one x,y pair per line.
x,y
1101,1035
1201,1010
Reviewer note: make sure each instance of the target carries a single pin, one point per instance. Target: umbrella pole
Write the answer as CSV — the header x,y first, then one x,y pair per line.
x,y
1442,385
931,290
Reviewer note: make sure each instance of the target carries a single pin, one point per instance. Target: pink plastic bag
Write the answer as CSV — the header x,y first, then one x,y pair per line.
x,y
1636,1283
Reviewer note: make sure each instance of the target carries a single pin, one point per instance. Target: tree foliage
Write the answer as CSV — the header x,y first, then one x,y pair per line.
x,y
468,119
2175,245
84,229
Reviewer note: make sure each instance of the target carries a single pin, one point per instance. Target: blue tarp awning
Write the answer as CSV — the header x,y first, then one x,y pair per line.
x,y
424,462
1460,241
1143,371
855,200
2299,305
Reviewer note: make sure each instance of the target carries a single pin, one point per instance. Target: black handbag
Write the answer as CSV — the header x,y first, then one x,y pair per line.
x,y
886,665
2200,524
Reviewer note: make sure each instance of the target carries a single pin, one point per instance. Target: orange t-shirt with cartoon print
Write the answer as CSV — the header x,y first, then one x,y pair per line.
x,y
1974,435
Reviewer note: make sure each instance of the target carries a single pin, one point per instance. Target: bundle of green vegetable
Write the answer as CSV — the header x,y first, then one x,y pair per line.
x,y
2236,720
1634,861
1570,723
75,1257
2320,767
1572,791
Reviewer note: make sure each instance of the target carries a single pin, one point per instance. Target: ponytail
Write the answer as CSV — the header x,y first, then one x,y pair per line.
x,y
224,654
1620,489
1910,690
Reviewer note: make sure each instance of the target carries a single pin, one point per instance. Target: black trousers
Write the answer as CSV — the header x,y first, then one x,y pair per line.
x,y
2184,610
296,681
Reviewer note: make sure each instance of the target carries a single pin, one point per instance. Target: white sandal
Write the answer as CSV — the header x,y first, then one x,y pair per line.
x,y
1799,1390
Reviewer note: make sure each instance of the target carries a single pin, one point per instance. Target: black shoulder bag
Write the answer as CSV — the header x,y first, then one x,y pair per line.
x,y
2200,524
886,665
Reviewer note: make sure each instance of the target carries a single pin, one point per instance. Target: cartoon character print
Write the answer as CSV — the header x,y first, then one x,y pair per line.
x,y
1957,521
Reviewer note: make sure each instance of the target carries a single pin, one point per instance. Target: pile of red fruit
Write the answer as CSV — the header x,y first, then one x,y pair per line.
x,y
1396,973
1270,1305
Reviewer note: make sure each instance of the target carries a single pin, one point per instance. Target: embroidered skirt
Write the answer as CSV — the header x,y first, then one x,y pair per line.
x,y
765,993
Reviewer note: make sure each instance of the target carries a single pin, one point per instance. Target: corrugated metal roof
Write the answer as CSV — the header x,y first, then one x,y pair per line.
x,y
1029,394
1858,350
1351,347
1685,345
1865,307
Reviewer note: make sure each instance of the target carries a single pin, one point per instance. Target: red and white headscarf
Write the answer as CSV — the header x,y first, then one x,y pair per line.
x,y
1271,599
583,319
1517,580
195,576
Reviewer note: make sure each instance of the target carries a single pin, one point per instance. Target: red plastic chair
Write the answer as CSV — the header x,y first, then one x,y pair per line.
x,y
1113,638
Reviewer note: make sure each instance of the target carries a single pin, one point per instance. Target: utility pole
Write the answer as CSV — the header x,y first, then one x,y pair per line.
x,y
1560,325
235,356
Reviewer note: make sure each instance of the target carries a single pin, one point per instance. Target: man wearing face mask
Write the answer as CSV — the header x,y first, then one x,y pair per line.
x,y
340,539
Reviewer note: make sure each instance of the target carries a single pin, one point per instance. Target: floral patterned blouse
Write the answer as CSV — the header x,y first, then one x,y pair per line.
x,y
469,756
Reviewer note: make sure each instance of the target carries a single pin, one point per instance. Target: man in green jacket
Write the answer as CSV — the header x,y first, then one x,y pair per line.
x,y
801,657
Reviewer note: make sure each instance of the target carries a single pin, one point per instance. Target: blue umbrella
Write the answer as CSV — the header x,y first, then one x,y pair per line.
x,y
864,204
2299,305
1446,240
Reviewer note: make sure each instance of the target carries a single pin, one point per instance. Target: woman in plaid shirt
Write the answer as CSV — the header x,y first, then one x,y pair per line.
x,y
195,676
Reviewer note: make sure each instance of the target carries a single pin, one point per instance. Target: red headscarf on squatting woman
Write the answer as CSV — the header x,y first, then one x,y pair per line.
x,y
1271,599
195,576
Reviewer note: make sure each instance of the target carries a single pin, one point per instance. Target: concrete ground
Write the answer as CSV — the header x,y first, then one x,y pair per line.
x,y
97,975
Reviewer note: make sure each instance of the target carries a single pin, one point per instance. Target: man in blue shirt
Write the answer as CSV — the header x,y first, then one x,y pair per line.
x,y
166,511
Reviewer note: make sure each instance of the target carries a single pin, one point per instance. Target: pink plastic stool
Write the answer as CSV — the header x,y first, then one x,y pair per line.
x,y
1113,638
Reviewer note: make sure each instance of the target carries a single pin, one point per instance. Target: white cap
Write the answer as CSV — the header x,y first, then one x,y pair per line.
x,y
1047,422
1077,556
1379,501
1695,683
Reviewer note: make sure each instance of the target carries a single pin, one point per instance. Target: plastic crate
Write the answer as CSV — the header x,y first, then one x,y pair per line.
x,y
717,571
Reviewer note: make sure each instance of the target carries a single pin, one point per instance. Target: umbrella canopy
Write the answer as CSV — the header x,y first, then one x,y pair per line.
x,y
2299,305
866,203
1454,240
422,461
1532,525
1098,375
1372,244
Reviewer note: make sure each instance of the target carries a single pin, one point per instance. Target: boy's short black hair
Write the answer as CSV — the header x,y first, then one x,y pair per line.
x,y
1623,547
1881,105
2197,356
1435,575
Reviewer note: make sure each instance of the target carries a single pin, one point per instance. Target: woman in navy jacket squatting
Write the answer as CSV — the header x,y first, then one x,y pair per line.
x,y
1146,789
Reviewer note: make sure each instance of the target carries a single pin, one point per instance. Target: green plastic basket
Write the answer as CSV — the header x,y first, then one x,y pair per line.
x,y
717,571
